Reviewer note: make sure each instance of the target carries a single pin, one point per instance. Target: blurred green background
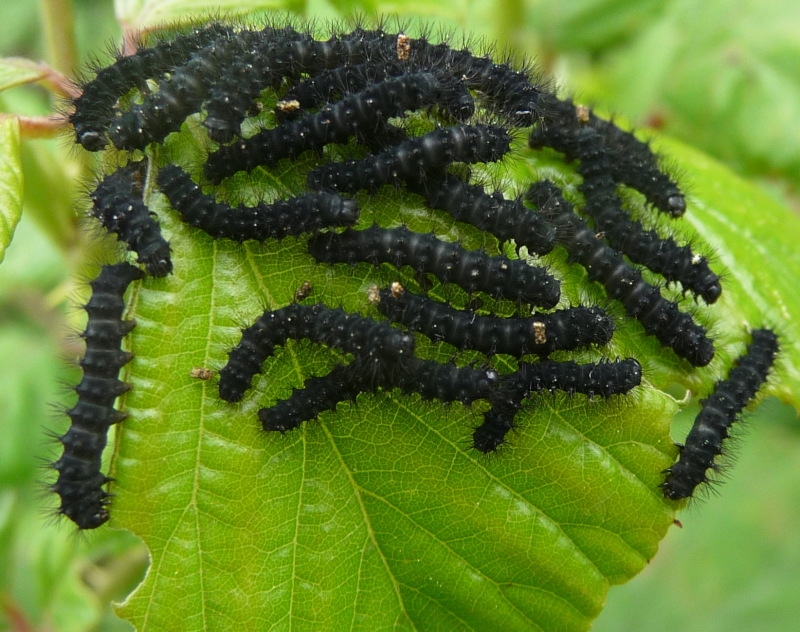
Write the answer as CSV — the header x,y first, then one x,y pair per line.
x,y
722,75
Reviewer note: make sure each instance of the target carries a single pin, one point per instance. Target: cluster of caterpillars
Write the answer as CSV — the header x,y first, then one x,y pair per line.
x,y
357,87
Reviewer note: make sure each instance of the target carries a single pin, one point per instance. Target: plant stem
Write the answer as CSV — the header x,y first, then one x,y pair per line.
x,y
510,25
59,21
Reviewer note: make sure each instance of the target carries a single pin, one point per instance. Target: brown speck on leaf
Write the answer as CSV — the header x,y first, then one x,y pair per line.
x,y
201,373
303,291
373,295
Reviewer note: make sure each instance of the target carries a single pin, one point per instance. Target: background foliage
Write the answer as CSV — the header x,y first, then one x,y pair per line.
x,y
728,86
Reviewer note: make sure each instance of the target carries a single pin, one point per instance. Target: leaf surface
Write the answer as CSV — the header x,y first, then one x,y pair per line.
x,y
380,514
15,71
10,181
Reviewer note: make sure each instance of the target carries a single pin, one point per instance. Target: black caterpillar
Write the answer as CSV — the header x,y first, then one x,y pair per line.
x,y
343,80
232,70
368,339
661,255
603,379
505,219
344,382
80,481
660,317
294,216
431,380
472,270
632,162
414,160
120,209
564,330
226,70
512,94
275,54
718,413
285,54
94,108
185,90
363,114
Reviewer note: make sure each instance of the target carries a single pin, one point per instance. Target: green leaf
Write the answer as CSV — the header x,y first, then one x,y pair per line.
x,y
380,514
10,181
15,71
